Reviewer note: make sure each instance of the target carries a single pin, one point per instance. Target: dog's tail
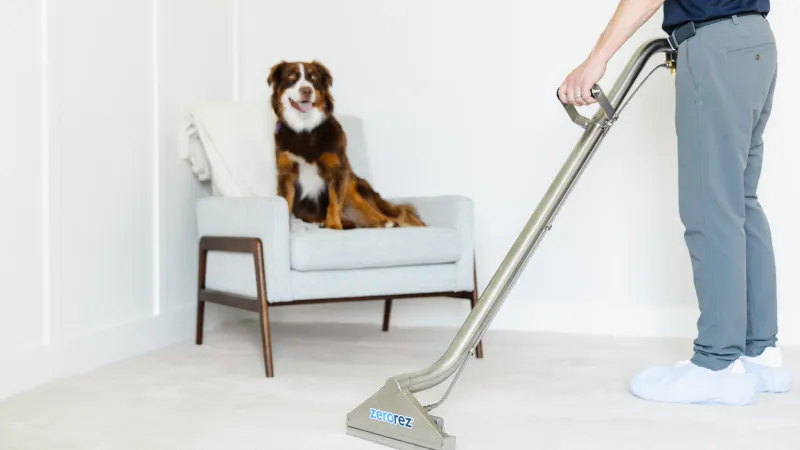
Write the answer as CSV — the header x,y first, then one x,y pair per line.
x,y
405,213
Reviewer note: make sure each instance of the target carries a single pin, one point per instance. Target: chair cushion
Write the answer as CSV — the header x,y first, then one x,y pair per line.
x,y
373,247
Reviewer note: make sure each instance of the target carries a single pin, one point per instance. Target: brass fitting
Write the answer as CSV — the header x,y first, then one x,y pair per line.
x,y
672,62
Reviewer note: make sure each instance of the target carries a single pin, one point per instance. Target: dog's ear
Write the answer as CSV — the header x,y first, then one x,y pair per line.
x,y
276,73
327,79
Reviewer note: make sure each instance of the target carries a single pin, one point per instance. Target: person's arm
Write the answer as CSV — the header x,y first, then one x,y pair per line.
x,y
629,17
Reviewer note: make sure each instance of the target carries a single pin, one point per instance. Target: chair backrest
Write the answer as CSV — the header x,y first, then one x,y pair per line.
x,y
356,144
353,126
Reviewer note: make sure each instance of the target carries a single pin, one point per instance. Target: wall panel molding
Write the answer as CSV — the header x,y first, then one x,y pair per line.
x,y
21,271
101,60
157,197
47,322
237,22
95,115
53,110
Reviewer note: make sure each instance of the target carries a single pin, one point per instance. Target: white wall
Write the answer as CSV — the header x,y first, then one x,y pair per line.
x,y
98,257
458,96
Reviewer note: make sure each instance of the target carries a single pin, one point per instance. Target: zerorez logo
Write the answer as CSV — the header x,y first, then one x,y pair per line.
x,y
394,419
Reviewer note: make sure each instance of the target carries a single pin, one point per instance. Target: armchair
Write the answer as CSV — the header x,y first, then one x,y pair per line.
x,y
252,258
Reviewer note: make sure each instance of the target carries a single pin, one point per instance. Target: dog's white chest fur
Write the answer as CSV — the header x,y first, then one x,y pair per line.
x,y
308,177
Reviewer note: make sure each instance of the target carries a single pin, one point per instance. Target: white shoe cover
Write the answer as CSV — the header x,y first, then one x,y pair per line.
x,y
688,383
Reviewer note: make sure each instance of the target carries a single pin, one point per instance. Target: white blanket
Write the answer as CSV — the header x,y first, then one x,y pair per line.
x,y
231,145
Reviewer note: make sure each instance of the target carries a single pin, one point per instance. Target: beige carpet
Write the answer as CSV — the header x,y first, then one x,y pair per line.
x,y
531,392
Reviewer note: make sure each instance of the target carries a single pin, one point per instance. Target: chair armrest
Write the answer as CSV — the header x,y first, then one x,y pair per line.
x,y
265,218
451,211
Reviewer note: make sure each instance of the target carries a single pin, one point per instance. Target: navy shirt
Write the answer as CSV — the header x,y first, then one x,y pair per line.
x,y
678,12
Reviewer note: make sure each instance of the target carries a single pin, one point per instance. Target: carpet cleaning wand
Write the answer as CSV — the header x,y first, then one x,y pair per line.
x,y
393,417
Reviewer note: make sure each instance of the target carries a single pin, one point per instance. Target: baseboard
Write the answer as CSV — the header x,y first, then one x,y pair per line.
x,y
602,318
32,368
605,319
634,319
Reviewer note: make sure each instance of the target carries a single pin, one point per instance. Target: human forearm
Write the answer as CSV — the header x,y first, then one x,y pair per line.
x,y
629,17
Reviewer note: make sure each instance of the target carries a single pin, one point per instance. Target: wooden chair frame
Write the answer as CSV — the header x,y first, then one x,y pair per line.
x,y
261,304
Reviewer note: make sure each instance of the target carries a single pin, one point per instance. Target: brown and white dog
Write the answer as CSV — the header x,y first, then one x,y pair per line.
x,y
314,175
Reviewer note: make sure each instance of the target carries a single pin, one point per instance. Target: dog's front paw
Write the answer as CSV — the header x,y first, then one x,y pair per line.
x,y
391,224
333,224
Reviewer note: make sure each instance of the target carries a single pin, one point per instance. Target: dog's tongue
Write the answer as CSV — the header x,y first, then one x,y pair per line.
x,y
305,106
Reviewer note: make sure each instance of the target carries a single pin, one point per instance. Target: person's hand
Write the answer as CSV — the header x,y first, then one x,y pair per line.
x,y
577,87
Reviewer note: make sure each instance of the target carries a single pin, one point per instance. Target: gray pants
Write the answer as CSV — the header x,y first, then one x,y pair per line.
x,y
725,82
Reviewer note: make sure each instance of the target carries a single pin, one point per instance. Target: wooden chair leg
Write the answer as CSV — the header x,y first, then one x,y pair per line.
x,y
266,343
263,313
201,309
387,314
201,305
474,301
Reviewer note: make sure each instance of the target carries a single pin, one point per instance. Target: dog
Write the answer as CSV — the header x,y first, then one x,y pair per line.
x,y
314,174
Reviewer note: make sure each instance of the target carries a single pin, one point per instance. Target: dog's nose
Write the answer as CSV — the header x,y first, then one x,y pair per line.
x,y
306,91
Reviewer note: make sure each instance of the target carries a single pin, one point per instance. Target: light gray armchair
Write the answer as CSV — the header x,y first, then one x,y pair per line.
x,y
252,259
